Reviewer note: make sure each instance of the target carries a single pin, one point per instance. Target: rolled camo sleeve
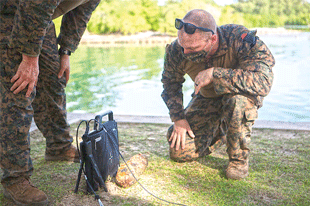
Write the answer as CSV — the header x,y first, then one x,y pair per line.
x,y
253,76
32,17
172,79
74,24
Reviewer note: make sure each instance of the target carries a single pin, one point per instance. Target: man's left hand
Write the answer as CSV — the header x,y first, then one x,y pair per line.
x,y
64,66
203,78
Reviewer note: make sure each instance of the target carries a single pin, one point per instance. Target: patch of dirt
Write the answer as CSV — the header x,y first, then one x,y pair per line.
x,y
150,139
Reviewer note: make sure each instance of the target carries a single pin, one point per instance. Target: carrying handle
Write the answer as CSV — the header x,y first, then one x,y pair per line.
x,y
99,118
84,137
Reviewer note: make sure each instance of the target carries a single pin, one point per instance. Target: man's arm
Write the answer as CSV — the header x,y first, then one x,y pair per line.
x,y
32,17
253,76
172,79
74,24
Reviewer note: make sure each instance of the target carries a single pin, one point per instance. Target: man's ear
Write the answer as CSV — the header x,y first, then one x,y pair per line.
x,y
213,38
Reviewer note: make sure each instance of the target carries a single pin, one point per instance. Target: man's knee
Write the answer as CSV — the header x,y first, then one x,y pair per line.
x,y
238,108
183,155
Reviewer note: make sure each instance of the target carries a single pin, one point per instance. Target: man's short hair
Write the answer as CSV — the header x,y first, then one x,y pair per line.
x,y
201,18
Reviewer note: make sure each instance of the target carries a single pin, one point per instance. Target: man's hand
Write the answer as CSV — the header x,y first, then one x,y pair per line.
x,y
27,74
64,66
179,133
203,78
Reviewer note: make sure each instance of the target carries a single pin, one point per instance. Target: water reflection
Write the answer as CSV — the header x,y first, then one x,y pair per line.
x,y
127,80
96,74
289,97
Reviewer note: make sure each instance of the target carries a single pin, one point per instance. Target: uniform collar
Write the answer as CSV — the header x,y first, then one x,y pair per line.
x,y
223,48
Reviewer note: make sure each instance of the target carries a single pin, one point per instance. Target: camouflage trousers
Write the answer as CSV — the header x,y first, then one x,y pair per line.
x,y
47,104
215,122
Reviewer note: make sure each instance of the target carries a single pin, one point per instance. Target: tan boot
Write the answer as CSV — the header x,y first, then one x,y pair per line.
x,y
71,154
24,193
237,170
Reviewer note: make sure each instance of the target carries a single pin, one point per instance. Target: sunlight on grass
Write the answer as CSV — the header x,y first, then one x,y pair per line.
x,y
279,172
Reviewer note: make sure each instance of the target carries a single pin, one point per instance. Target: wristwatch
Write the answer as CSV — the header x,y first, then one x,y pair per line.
x,y
64,51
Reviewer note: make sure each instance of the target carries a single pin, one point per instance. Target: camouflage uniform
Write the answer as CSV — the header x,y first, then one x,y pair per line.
x,y
26,27
225,110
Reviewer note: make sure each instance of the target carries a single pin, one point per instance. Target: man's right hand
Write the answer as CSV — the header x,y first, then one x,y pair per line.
x,y
178,136
27,74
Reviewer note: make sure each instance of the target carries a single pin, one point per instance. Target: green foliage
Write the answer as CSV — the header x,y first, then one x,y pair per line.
x,y
279,172
303,19
230,16
133,16
57,23
273,13
125,16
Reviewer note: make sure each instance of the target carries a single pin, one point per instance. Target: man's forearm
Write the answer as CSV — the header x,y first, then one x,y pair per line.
x,y
242,81
173,98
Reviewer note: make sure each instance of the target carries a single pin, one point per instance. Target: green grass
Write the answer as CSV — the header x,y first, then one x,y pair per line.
x,y
279,172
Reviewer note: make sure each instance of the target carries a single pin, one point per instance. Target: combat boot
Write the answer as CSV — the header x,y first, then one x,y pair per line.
x,y
69,154
24,193
237,170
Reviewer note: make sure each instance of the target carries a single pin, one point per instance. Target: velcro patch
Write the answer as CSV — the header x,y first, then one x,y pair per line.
x,y
250,38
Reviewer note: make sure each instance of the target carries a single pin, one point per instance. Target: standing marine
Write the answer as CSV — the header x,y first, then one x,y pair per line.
x,y
33,75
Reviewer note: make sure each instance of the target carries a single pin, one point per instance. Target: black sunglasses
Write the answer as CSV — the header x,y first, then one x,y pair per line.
x,y
189,28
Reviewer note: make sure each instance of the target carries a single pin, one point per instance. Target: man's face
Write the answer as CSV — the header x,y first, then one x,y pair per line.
x,y
192,43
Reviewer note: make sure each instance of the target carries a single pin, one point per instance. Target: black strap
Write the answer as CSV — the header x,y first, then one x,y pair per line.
x,y
82,169
142,185
97,197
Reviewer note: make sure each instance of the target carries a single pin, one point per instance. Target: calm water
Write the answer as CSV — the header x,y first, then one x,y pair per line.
x,y
127,80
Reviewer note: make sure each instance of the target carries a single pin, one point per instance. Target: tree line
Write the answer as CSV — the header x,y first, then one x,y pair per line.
x,y
268,13
132,16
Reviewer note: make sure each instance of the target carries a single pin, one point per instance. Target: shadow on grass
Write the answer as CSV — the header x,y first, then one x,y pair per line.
x,y
215,163
279,166
58,180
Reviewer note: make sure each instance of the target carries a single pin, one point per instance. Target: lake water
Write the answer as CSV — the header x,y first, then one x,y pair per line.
x,y
126,80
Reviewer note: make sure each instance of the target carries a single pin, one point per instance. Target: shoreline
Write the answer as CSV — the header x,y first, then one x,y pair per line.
x,y
157,39
150,38
259,124
114,40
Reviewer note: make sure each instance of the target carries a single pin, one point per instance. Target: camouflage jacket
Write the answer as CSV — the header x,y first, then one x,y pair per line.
x,y
242,65
23,24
